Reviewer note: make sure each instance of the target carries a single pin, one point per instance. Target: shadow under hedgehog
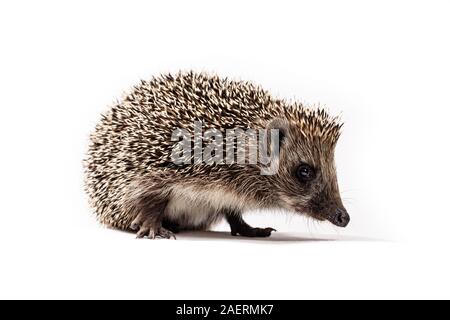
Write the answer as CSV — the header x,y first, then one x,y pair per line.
x,y
134,184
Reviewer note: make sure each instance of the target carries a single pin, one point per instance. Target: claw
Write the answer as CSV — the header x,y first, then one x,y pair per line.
x,y
151,234
142,232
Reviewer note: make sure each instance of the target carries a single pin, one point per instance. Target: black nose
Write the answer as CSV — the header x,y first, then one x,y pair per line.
x,y
341,218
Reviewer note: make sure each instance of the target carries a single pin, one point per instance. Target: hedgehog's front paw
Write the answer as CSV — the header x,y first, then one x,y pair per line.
x,y
147,227
254,232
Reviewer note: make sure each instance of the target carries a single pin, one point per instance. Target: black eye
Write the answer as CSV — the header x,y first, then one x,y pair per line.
x,y
305,173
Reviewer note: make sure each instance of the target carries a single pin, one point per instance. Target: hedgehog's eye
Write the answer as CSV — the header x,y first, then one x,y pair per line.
x,y
305,173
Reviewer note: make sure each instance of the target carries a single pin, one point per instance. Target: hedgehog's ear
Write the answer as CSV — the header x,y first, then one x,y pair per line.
x,y
283,128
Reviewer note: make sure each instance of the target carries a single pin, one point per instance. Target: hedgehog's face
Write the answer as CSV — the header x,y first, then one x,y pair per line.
x,y
306,180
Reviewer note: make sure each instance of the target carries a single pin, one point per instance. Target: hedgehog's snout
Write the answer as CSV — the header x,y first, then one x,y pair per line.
x,y
340,218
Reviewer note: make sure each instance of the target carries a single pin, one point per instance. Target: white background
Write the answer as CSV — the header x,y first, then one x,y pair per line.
x,y
383,65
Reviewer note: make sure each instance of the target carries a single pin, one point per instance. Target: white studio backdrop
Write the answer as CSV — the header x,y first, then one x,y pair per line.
x,y
383,66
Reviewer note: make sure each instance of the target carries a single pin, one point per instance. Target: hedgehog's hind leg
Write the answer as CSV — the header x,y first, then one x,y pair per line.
x,y
239,226
148,225
147,206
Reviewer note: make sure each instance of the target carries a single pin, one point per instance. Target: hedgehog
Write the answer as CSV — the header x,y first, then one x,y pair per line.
x,y
134,184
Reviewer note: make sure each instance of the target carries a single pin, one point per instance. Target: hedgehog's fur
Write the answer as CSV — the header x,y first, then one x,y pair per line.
x,y
128,168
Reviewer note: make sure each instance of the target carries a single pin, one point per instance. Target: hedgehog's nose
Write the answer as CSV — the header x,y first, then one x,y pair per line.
x,y
341,218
